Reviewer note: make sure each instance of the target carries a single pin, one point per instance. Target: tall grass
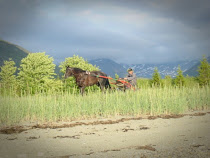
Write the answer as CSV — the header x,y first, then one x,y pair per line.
x,y
70,106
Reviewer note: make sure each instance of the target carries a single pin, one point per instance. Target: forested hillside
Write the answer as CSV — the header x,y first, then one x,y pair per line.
x,y
9,50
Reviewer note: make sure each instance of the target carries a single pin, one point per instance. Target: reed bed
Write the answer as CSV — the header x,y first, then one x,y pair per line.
x,y
67,106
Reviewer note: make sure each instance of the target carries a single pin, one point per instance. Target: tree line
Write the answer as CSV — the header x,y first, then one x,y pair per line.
x,y
202,79
36,74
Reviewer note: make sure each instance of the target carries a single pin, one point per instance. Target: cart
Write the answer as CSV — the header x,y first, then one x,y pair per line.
x,y
121,84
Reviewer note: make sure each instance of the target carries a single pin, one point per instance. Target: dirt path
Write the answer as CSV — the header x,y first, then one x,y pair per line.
x,y
179,136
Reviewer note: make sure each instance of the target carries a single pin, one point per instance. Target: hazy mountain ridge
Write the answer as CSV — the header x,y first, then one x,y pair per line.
x,y
9,50
110,67
146,70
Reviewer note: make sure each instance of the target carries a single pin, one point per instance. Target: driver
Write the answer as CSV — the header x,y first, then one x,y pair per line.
x,y
131,77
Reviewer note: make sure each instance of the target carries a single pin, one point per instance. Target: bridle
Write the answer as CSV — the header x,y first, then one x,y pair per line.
x,y
72,72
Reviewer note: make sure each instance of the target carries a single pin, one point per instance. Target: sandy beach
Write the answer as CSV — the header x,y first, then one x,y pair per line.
x,y
163,136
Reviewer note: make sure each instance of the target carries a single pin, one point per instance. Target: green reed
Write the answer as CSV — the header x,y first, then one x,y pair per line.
x,y
66,106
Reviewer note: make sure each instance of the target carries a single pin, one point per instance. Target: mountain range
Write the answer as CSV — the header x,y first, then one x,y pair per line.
x,y
146,70
110,67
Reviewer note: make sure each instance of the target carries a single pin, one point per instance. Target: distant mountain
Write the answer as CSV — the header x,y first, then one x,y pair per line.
x,y
193,71
145,70
9,50
109,67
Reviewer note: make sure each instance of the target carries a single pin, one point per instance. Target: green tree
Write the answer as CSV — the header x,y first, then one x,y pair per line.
x,y
78,62
179,80
190,81
204,72
167,81
116,76
156,78
36,72
7,77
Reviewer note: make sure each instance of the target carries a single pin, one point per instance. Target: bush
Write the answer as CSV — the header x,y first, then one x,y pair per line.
x,y
36,73
156,79
204,72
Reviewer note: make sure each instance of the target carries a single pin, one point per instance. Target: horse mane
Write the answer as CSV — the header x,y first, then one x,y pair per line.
x,y
78,69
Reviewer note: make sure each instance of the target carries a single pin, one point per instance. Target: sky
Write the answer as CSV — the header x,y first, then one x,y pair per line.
x,y
126,31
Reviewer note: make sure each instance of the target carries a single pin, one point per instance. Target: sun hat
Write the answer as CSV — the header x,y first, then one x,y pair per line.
x,y
130,69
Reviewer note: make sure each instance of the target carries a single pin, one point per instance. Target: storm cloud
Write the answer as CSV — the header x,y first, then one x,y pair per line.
x,y
138,31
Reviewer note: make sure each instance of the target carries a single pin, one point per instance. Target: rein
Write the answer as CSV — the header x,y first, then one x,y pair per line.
x,y
122,81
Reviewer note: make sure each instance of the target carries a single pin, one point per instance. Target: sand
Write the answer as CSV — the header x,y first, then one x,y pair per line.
x,y
184,136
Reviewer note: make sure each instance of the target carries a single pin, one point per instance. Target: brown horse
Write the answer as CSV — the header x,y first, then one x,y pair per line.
x,y
85,78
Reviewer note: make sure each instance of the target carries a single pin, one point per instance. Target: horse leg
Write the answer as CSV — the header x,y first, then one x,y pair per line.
x,y
124,88
101,84
107,85
102,88
82,90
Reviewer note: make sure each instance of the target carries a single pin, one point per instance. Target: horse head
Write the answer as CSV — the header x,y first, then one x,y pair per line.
x,y
69,72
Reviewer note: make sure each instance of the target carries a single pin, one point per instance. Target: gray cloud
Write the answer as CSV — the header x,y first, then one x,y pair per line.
x,y
127,31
